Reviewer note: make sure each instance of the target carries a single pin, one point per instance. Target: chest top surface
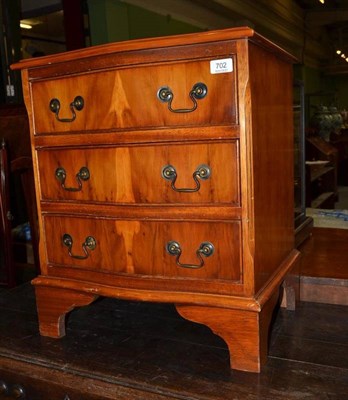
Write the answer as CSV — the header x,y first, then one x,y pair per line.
x,y
238,33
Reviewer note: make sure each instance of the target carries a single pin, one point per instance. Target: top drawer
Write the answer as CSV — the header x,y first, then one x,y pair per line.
x,y
147,96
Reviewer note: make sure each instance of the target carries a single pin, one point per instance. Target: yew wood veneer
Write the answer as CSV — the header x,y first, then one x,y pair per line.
x,y
164,172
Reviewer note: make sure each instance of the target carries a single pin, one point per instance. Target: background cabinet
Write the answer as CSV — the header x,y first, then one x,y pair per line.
x,y
341,144
321,173
303,224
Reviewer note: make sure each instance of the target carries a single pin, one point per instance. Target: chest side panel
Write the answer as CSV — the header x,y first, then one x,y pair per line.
x,y
272,152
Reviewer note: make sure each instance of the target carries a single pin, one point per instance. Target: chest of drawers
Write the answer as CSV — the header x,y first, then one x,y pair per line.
x,y
164,172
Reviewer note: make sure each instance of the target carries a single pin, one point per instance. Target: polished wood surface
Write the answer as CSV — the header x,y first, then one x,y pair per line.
x,y
272,153
325,254
139,248
52,312
125,136
128,98
210,293
124,350
153,45
134,174
251,340
324,273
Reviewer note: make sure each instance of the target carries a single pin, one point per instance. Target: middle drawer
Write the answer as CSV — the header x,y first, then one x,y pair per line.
x,y
199,173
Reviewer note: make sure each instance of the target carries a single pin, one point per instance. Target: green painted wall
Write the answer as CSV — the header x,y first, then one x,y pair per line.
x,y
144,23
115,20
112,21
98,21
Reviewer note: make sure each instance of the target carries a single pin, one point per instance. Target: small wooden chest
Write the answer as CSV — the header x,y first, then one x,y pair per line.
x,y
164,172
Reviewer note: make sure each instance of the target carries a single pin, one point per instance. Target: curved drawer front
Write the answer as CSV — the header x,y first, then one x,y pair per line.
x,y
143,247
129,98
201,173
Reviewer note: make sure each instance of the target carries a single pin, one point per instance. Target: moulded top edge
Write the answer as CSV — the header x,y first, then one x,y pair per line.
x,y
152,43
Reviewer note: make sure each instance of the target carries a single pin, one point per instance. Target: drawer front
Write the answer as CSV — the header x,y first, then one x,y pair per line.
x,y
201,173
129,98
197,250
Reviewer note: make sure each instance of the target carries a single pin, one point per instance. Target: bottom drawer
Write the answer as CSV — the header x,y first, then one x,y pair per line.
x,y
198,250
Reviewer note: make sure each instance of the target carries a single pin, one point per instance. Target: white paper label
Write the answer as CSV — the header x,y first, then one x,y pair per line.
x,y
221,66
10,92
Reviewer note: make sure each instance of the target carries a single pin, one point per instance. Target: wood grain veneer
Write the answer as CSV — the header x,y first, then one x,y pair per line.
x,y
125,136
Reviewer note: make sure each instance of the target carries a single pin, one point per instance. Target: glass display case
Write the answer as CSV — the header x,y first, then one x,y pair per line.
x,y
303,224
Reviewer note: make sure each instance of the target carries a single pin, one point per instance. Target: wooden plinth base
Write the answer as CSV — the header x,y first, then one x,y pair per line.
x,y
52,306
244,331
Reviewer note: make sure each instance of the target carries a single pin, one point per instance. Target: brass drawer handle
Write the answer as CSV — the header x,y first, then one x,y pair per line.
x,y
89,244
18,392
82,175
3,388
198,92
205,249
15,391
77,104
201,172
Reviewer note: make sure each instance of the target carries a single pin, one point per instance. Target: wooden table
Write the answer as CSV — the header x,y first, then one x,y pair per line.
x,y
131,350
324,272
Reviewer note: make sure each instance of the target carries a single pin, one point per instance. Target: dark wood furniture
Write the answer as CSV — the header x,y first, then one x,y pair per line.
x,y
13,253
121,350
20,192
303,223
341,144
22,168
321,173
7,265
171,161
14,128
